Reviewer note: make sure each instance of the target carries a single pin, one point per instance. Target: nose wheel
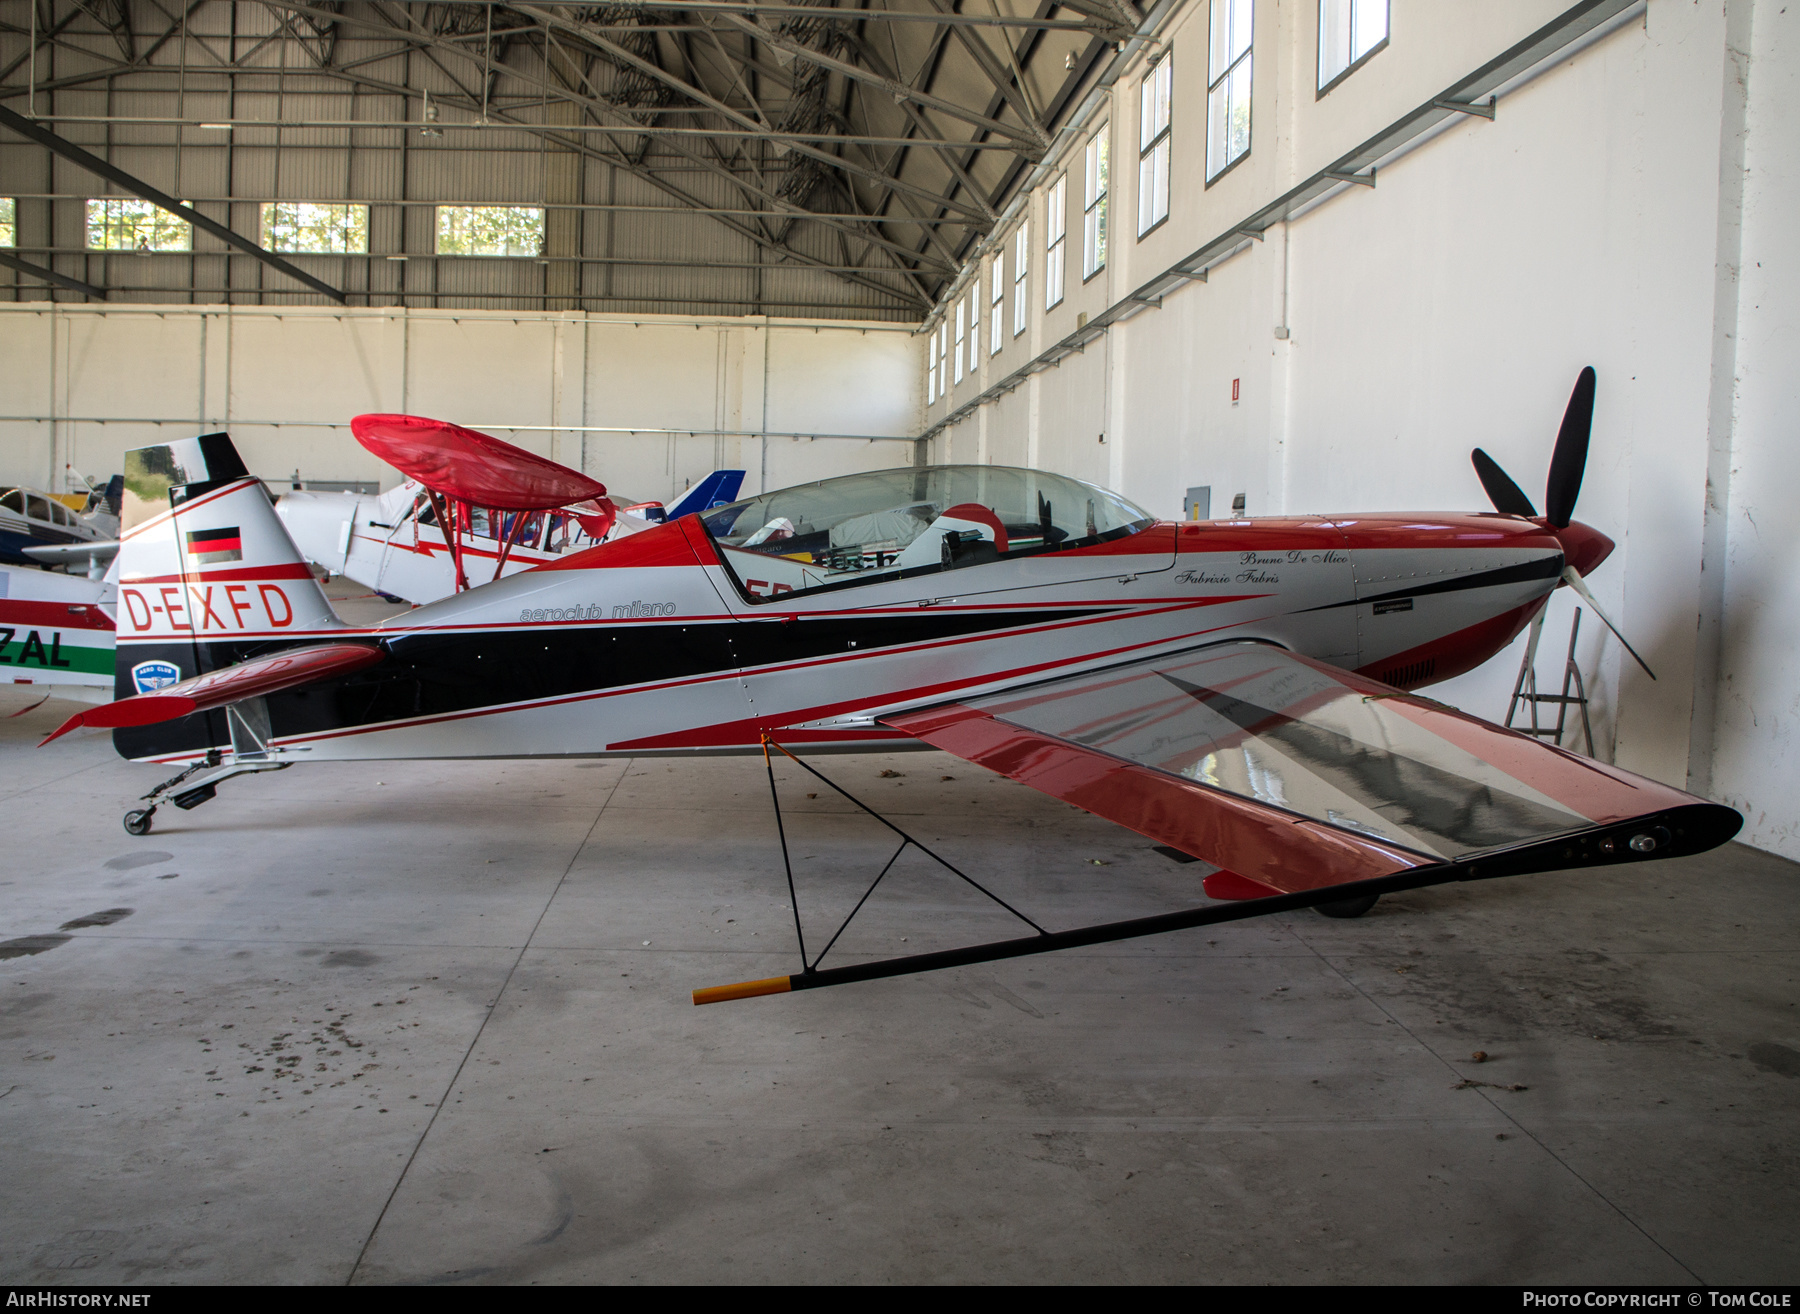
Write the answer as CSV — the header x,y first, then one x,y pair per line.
x,y
137,822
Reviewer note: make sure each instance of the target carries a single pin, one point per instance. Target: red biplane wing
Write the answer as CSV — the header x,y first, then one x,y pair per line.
x,y
1297,776
472,467
251,679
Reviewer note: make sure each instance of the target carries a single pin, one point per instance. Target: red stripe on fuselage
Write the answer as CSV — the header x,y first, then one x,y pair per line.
x,y
286,570
55,615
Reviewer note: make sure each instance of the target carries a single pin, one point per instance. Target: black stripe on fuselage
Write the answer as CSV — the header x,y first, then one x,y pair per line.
x,y
434,674
1523,572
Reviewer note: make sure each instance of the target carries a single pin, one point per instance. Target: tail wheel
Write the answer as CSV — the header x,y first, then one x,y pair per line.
x,y
138,823
1342,908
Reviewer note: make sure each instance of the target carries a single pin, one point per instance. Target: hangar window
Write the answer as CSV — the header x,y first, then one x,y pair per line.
x,y
1056,224
490,230
1153,145
975,322
893,524
1021,251
314,228
1349,32
996,294
1228,85
7,232
961,313
1093,223
128,224
934,370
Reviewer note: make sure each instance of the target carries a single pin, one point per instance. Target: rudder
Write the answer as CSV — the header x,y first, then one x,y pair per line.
x,y
208,577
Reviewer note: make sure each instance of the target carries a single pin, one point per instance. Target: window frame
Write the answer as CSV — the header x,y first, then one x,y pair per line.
x,y
931,366
1225,75
1350,8
87,226
1096,202
9,223
1056,244
957,344
997,303
269,239
437,241
1160,142
1022,278
975,323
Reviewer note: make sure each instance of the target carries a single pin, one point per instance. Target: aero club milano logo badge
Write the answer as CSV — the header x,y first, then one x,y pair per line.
x,y
147,677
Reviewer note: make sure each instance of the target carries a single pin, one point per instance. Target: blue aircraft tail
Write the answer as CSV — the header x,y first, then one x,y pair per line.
x,y
717,489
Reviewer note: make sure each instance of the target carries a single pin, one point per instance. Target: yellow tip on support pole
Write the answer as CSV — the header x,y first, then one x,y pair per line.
x,y
774,985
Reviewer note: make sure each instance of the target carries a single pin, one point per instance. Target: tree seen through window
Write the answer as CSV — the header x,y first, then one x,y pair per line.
x,y
316,228
128,224
490,230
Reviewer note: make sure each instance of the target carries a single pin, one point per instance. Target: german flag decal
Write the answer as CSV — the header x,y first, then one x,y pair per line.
x,y
209,547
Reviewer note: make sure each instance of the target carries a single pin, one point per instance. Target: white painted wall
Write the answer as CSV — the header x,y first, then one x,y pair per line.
x,y
1755,765
81,385
1595,221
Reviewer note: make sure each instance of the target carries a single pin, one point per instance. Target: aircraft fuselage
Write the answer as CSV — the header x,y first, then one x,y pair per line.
x,y
669,642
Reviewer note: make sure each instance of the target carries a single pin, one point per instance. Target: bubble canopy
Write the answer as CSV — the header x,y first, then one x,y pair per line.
x,y
889,523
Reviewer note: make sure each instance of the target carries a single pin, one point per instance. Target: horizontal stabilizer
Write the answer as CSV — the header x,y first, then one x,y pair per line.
x,y
61,554
251,679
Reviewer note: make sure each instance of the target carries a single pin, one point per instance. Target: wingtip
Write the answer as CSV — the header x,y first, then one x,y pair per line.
x,y
73,723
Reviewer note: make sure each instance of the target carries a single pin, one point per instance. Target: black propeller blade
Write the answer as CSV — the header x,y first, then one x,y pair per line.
x,y
1508,498
1570,457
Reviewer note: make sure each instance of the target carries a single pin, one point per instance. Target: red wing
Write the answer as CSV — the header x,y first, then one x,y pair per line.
x,y
1288,771
470,466
264,675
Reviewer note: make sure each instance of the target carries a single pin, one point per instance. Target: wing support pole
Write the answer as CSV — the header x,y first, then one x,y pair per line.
x,y
1675,832
810,974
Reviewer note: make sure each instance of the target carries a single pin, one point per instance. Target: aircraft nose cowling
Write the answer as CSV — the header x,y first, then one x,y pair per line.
x,y
1584,547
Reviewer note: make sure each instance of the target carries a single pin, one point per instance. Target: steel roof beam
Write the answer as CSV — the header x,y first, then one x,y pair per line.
x,y
51,276
751,8
137,187
1030,142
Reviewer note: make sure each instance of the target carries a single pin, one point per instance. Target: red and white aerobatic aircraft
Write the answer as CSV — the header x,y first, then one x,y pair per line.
x,y
1233,689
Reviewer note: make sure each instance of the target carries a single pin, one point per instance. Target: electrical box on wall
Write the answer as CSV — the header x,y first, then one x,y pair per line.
x,y
1197,505
1237,505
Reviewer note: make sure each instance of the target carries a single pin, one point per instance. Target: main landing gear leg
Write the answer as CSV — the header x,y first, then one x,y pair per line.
x,y
187,796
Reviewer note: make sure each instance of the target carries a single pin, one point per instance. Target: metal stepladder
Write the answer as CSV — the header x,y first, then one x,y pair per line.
x,y
1525,690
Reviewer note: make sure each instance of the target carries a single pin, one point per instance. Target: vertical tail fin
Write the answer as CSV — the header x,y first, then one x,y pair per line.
x,y
718,488
203,557
208,577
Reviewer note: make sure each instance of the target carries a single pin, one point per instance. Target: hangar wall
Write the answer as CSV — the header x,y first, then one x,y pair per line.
x,y
81,385
1593,221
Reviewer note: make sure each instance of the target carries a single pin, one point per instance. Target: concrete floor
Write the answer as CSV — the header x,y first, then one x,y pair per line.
x,y
431,1023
